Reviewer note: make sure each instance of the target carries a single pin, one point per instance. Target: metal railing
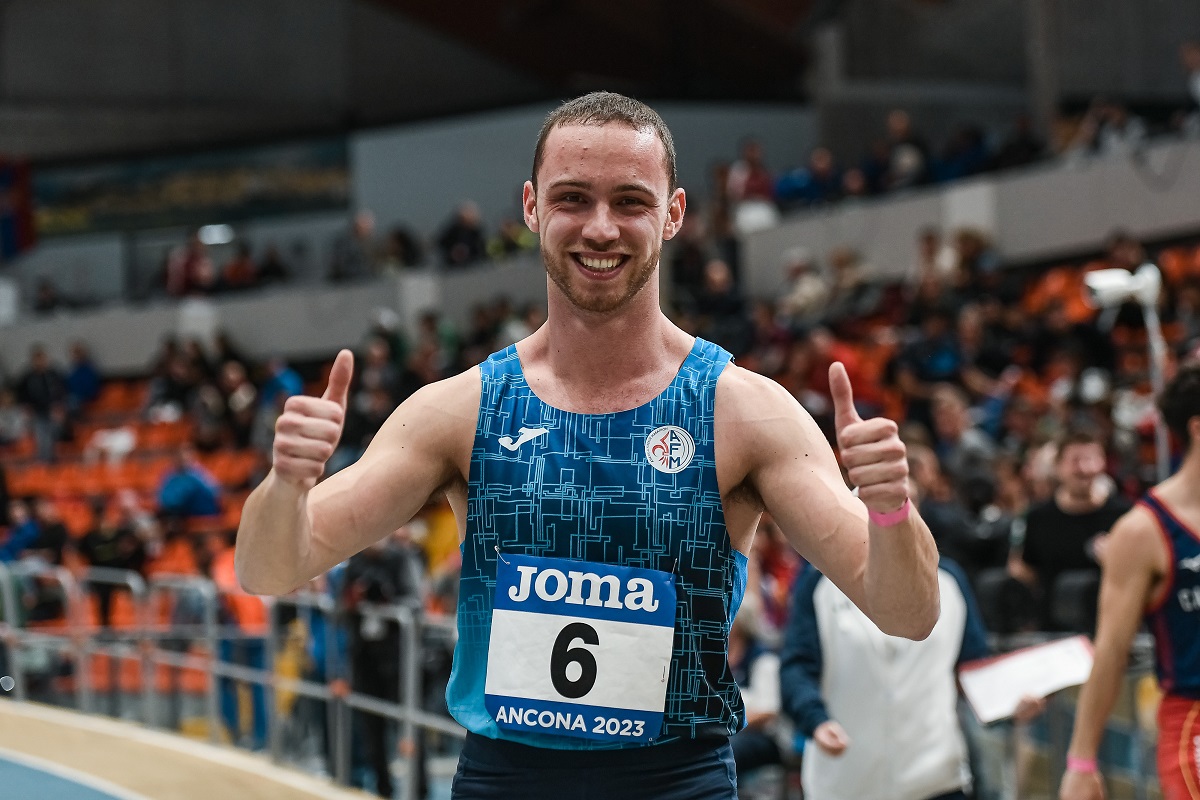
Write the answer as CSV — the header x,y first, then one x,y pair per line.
x,y
191,639
191,635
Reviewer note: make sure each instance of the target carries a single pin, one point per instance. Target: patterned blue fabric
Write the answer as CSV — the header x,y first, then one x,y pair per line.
x,y
584,489
1175,622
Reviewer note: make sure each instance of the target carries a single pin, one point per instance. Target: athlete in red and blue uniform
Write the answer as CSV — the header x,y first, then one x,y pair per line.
x,y
1151,571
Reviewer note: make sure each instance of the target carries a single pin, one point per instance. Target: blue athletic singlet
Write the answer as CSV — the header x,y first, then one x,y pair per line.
x,y
1175,620
634,488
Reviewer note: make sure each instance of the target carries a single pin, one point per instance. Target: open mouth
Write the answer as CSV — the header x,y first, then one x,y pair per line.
x,y
601,268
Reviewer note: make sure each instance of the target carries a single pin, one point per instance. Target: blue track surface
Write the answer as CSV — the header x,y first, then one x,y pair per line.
x,y
21,782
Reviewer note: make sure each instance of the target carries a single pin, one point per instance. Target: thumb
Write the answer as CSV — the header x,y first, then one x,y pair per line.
x,y
338,389
843,397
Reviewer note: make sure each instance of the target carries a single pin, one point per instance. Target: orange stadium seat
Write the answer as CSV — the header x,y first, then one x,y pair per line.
x,y
164,435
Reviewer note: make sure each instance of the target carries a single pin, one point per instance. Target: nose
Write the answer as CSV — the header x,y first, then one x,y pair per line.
x,y
601,226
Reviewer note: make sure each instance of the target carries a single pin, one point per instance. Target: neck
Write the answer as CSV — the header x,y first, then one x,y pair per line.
x,y
584,347
1189,470
1075,504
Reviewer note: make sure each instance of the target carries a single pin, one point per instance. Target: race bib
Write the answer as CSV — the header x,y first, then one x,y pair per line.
x,y
580,649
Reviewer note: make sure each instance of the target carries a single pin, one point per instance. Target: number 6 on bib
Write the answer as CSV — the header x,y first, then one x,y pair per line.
x,y
579,648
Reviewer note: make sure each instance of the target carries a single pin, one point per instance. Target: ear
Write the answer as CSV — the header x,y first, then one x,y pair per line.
x,y
529,205
675,210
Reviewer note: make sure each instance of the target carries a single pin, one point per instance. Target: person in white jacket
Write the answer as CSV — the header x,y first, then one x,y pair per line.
x,y
881,711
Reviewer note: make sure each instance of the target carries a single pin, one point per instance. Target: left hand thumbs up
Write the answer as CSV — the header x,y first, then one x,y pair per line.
x,y
875,458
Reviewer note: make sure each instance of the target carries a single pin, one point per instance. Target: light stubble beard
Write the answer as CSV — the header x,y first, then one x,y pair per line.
x,y
561,268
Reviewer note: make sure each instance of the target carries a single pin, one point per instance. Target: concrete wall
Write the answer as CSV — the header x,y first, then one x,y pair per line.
x,y
1041,213
296,322
418,174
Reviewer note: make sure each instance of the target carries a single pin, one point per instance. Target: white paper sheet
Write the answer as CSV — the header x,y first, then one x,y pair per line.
x,y
994,687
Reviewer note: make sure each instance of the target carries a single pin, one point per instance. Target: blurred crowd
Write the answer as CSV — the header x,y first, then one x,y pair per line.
x,y
1028,414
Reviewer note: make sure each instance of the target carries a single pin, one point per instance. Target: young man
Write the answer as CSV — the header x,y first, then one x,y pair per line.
x,y
1064,533
1152,570
608,473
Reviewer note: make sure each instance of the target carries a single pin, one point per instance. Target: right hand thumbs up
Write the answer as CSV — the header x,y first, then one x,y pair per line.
x,y
309,428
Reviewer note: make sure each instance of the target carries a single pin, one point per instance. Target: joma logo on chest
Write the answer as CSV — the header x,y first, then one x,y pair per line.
x,y
551,585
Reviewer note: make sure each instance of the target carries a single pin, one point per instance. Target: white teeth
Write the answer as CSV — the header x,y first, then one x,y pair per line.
x,y
600,264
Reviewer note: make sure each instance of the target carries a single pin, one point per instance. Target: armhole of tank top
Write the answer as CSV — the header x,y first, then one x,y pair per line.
x,y
1160,599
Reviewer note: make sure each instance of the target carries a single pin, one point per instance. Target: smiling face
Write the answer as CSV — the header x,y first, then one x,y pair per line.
x,y
603,207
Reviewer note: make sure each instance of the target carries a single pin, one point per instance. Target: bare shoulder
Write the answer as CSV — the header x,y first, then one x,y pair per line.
x,y
756,411
438,420
745,397
1136,543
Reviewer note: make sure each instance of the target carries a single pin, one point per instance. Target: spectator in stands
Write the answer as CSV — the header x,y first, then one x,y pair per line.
x,y
388,572
750,189
855,183
187,489
14,421
824,349
170,393
1022,146
22,532
721,308
513,237
1108,129
354,255
402,250
279,383
1066,532
985,359
48,298
83,379
44,393
818,182
949,520
239,272
933,357
749,178
875,165
189,270
936,261
965,154
851,293
52,533
806,293
272,267
965,451
1189,119
113,543
770,340
244,618
908,154
241,402
462,241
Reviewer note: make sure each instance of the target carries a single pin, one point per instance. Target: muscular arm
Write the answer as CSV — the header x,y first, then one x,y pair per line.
x,y
890,573
1131,568
288,535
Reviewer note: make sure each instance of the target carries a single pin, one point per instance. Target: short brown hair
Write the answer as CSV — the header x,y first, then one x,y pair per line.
x,y
602,108
1077,435
1180,401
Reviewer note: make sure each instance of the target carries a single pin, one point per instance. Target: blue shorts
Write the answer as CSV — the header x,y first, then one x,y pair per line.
x,y
689,769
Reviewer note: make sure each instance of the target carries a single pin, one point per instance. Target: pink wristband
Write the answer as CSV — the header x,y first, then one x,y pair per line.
x,y
892,517
1085,765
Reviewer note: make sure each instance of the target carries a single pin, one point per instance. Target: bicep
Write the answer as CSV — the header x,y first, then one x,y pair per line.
x,y
801,485
411,457
1130,570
